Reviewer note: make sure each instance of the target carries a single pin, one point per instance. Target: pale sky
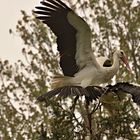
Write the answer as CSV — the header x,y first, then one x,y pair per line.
x,y
10,46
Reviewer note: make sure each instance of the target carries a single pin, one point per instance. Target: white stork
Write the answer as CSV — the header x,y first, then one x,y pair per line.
x,y
79,65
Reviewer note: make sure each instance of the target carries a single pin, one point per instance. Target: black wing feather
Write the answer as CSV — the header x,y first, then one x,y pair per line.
x,y
54,14
107,63
128,88
94,92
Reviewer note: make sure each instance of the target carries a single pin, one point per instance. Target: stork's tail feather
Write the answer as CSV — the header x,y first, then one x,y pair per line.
x,y
60,81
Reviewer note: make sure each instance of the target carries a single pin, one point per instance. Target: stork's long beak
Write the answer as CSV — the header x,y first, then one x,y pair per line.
x,y
125,61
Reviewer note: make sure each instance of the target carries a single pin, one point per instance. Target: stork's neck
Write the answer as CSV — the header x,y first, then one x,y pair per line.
x,y
116,63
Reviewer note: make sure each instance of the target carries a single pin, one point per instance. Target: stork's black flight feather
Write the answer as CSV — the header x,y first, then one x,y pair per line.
x,y
95,92
134,90
107,63
91,93
54,14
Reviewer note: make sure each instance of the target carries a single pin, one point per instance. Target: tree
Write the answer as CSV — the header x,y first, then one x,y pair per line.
x,y
21,117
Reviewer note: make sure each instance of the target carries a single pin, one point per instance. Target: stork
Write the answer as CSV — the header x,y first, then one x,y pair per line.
x,y
83,72
79,64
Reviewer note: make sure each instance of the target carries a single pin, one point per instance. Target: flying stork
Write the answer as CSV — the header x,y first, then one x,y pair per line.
x,y
82,71
79,65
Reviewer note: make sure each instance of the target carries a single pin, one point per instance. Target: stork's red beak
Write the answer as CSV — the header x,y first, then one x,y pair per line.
x,y
125,61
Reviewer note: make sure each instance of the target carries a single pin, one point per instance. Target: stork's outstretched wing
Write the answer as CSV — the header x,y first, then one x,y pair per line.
x,y
134,90
95,92
73,35
91,93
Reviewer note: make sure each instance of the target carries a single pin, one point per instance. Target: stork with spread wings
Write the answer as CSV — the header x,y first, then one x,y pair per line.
x,y
81,69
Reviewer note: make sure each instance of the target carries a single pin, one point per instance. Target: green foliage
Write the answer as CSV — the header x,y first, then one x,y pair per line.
x,y
21,117
22,82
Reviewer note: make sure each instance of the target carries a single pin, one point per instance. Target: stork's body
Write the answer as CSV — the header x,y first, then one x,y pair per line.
x,y
78,63
91,75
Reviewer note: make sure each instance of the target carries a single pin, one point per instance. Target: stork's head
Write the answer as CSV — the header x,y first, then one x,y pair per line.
x,y
123,57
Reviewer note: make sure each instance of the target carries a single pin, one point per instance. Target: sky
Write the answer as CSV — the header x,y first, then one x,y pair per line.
x,y
11,45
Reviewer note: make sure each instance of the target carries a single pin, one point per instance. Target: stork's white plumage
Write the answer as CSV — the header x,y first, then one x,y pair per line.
x,y
78,63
